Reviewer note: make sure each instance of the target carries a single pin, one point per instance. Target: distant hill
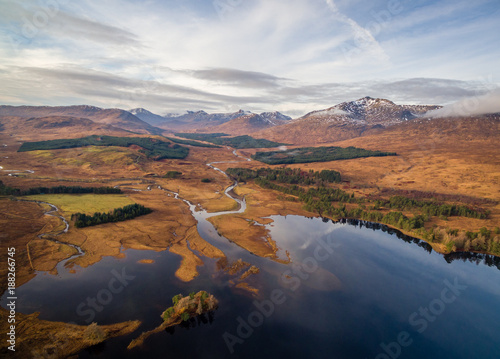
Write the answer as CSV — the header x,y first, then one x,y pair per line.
x,y
250,123
147,116
344,121
198,120
445,129
436,155
113,117
53,127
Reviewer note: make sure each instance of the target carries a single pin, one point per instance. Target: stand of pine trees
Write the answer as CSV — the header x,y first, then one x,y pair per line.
x,y
285,175
10,191
116,215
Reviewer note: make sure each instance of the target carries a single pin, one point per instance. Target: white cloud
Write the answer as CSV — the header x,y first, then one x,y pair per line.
x,y
476,105
289,55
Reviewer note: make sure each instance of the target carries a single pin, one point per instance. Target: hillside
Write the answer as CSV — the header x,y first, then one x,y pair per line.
x,y
53,127
113,117
344,121
249,123
197,120
147,116
445,155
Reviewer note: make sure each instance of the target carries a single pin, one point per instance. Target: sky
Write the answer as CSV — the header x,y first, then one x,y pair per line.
x,y
292,56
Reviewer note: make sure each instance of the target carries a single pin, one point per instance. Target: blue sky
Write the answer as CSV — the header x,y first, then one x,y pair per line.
x,y
293,56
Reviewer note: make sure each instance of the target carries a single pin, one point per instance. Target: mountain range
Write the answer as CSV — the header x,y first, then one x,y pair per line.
x,y
201,120
344,121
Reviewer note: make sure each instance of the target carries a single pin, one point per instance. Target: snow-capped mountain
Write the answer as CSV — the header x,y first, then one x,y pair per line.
x,y
345,120
147,116
369,110
275,118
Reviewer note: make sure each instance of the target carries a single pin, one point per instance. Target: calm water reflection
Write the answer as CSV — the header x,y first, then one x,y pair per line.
x,y
350,289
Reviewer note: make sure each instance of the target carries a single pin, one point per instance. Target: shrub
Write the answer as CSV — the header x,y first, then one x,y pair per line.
x,y
185,316
206,180
172,174
176,298
168,313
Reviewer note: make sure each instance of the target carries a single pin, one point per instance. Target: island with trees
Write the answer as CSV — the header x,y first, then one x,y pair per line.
x,y
183,309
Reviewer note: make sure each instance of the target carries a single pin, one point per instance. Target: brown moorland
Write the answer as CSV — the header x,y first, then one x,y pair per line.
x,y
38,338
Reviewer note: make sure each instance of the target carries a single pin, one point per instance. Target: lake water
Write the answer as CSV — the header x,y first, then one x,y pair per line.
x,y
350,292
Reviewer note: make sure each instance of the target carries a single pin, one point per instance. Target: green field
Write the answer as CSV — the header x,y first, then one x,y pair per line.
x,y
152,148
239,142
83,203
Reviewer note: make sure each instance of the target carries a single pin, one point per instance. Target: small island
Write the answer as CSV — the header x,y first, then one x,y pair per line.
x,y
183,309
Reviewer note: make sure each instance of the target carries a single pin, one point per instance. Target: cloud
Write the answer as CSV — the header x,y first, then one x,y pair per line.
x,y
363,39
35,21
426,90
111,90
477,105
159,91
285,55
236,77
67,25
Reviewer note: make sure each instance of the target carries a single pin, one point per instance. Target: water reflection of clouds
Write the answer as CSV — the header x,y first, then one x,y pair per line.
x,y
380,258
403,253
300,232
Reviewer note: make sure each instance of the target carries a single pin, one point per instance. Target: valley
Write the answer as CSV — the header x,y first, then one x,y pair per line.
x,y
374,152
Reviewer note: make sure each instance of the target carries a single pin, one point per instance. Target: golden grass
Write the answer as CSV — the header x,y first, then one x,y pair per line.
x,y
84,203
470,168
45,339
21,222
246,234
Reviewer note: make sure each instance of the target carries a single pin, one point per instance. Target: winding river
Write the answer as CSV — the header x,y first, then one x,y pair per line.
x,y
353,290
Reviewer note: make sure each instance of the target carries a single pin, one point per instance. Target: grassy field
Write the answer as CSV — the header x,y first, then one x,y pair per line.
x,y
84,203
152,148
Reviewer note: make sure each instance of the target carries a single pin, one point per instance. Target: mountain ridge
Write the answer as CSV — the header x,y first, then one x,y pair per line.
x,y
113,116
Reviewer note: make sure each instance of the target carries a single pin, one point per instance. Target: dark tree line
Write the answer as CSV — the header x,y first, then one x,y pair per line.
x,y
431,208
151,147
285,175
71,190
4,190
316,154
117,215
